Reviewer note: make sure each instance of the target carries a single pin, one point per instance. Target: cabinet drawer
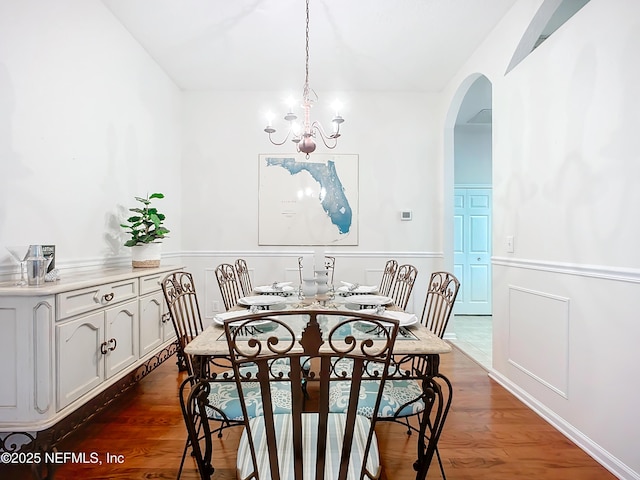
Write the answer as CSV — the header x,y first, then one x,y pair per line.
x,y
151,283
87,299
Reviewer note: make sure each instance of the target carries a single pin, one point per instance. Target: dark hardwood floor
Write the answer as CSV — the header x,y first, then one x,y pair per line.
x,y
489,435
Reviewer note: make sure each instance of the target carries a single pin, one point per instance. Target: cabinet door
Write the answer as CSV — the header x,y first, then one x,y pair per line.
x,y
169,329
121,337
151,327
80,365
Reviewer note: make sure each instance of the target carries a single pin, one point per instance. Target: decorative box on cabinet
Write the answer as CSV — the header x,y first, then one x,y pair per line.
x,y
70,347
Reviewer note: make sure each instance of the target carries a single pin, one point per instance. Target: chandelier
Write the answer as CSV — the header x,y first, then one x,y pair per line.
x,y
304,135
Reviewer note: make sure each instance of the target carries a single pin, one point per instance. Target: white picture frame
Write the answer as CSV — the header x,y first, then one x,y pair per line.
x,y
308,201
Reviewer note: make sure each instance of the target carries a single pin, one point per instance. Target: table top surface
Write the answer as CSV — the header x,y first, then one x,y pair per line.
x,y
411,340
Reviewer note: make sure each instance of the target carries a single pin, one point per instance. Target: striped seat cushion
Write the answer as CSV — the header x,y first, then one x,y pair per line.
x,y
224,396
283,424
395,394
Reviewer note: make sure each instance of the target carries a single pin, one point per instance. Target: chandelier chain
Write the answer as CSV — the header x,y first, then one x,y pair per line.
x,y
306,76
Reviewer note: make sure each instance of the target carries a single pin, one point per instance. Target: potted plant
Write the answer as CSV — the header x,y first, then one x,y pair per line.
x,y
146,230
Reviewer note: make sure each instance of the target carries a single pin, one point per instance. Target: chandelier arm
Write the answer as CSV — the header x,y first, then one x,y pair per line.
x,y
283,141
316,126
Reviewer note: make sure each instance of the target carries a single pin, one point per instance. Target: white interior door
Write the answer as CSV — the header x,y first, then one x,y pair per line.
x,y
472,250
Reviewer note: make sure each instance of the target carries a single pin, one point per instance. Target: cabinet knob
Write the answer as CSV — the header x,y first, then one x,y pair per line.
x,y
103,348
107,297
165,317
115,344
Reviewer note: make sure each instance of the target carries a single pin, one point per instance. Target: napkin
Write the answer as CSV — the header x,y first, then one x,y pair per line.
x,y
279,287
355,288
284,286
221,317
403,318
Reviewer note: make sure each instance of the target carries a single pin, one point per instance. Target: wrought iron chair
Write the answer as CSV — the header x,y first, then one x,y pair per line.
x,y
224,402
403,285
242,271
182,302
438,306
388,276
180,295
228,283
329,265
412,389
301,444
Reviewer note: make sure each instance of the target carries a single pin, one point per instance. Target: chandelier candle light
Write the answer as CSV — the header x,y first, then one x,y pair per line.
x,y
303,136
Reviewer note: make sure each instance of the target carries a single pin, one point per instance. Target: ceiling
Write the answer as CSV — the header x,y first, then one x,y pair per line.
x,y
355,45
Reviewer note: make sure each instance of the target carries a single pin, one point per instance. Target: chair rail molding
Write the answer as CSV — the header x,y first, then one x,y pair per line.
x,y
77,265
66,266
310,251
629,275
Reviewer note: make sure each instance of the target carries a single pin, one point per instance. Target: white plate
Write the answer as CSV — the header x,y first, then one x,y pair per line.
x,y
404,319
261,300
373,300
221,317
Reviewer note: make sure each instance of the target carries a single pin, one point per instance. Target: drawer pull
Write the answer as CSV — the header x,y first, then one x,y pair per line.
x,y
103,348
107,297
115,344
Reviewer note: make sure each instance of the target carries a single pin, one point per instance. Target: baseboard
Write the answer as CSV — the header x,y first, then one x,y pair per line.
x,y
599,454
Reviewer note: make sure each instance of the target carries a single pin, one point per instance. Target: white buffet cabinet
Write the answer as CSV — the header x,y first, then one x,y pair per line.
x,y
64,343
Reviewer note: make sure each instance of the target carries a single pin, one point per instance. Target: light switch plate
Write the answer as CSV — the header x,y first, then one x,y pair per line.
x,y
509,243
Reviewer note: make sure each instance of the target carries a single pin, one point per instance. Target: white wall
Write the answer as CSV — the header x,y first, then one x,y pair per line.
x,y
472,154
565,171
87,121
395,138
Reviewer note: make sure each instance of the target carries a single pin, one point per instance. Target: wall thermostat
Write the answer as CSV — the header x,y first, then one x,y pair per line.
x,y
405,215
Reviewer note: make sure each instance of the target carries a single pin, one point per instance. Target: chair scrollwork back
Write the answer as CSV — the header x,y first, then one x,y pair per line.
x,y
438,306
244,279
228,283
182,304
403,285
388,276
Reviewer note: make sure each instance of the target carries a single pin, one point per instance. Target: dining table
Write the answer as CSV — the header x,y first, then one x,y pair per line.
x,y
413,340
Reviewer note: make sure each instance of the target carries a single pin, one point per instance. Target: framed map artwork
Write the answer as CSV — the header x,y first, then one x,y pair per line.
x,y
308,201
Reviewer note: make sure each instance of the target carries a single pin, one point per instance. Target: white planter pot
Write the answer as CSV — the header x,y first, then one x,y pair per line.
x,y
146,255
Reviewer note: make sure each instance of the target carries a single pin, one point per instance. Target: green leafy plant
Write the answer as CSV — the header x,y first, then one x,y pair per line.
x,y
146,225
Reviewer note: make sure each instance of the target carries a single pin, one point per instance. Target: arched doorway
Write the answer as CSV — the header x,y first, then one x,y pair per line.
x,y
468,154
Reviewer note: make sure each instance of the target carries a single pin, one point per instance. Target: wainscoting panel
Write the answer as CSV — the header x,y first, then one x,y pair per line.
x,y
539,337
